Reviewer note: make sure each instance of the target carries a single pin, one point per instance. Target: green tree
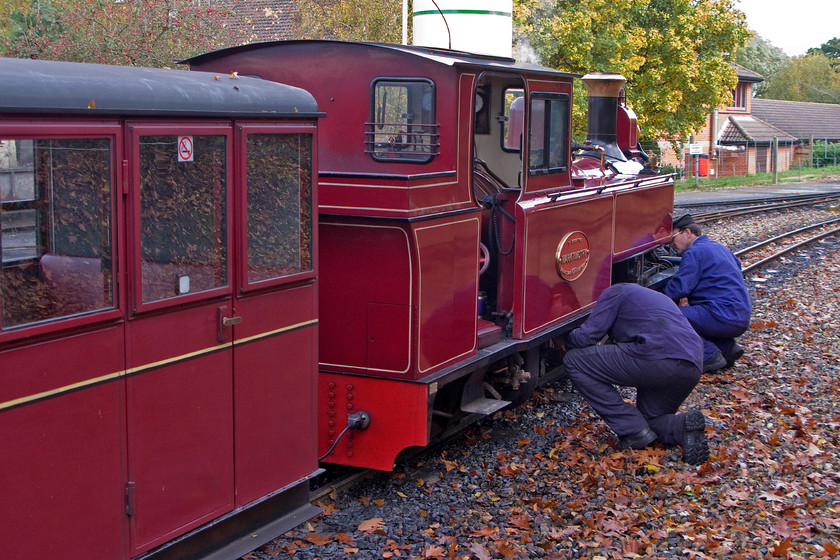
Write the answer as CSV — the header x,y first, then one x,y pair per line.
x,y
131,32
762,57
674,53
831,49
806,78
350,20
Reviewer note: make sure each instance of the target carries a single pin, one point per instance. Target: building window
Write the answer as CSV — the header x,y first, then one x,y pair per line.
x,y
740,95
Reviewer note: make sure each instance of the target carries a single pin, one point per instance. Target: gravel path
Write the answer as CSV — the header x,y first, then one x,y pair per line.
x,y
543,481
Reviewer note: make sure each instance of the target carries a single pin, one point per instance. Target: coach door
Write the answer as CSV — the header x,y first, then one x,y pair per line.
x,y
61,337
179,356
221,345
275,340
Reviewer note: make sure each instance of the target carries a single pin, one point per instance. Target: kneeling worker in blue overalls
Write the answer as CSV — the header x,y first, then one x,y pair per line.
x,y
709,287
653,348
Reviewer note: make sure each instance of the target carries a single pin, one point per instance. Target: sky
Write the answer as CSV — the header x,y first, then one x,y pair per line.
x,y
793,26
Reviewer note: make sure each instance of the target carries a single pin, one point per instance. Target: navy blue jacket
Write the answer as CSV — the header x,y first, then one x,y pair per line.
x,y
642,322
710,275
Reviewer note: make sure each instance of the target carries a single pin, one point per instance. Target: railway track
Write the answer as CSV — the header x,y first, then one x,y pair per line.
x,y
744,208
800,199
757,255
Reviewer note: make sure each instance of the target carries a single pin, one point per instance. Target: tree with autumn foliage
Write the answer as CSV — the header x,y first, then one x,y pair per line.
x,y
130,32
675,53
350,20
805,78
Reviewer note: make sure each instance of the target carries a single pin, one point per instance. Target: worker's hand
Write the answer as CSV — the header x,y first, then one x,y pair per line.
x,y
684,302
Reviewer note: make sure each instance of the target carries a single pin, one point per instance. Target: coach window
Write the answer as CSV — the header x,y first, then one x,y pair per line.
x,y
55,234
183,215
279,206
549,132
402,125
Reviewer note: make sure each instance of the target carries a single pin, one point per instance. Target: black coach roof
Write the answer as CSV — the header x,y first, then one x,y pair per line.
x,y
41,86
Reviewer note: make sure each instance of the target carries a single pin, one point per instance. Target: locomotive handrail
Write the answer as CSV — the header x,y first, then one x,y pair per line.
x,y
601,188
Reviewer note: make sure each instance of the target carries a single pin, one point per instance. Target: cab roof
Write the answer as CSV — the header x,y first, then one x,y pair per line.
x,y
441,56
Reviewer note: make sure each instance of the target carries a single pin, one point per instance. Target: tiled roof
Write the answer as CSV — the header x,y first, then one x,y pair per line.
x,y
800,118
743,128
747,75
255,21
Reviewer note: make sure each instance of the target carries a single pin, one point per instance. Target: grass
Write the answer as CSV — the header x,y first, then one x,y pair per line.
x,y
802,174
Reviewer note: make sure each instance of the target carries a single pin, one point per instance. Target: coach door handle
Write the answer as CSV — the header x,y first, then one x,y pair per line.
x,y
230,321
224,322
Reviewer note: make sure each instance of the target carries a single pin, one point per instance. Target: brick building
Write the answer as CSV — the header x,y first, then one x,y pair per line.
x,y
803,120
734,141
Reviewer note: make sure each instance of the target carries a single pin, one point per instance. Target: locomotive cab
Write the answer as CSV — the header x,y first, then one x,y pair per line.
x,y
455,238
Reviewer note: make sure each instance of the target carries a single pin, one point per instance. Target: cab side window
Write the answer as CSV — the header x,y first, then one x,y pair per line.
x,y
549,133
513,118
402,125
55,229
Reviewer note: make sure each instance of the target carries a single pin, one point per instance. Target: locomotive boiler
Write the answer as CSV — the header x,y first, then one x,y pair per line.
x,y
461,230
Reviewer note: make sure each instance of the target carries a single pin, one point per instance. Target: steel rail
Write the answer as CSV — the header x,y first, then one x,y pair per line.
x,y
761,244
755,209
339,484
786,250
804,198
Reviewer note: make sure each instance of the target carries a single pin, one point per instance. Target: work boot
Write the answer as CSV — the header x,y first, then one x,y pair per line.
x,y
639,440
714,363
733,354
695,447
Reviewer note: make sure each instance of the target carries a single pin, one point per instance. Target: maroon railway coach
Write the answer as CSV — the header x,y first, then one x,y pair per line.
x,y
158,311
460,228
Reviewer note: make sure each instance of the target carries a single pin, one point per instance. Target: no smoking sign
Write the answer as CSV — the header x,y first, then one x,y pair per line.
x,y
185,148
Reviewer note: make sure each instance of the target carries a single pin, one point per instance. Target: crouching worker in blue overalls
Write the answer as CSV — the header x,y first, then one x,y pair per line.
x,y
710,289
652,348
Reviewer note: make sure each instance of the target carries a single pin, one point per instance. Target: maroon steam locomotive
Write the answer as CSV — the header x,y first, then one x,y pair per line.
x,y
210,282
458,234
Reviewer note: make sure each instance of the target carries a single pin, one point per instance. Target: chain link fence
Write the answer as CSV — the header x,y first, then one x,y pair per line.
x,y
746,159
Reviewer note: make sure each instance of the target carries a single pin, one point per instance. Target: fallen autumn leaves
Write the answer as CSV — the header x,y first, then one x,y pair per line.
x,y
544,481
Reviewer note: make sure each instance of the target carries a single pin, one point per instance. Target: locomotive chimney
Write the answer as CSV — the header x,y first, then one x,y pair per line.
x,y
603,90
